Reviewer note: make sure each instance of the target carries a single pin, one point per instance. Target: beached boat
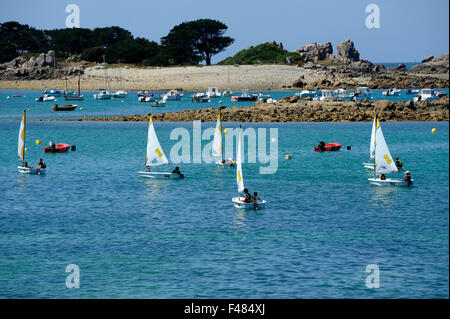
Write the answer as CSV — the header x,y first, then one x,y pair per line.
x,y
426,95
21,151
370,165
384,163
246,95
342,94
239,201
45,98
155,157
173,95
217,149
68,107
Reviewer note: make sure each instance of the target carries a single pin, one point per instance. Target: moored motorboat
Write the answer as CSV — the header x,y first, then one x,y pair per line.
x,y
68,107
56,148
246,95
329,147
45,98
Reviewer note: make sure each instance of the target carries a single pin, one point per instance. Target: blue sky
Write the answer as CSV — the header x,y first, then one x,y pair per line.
x,y
409,30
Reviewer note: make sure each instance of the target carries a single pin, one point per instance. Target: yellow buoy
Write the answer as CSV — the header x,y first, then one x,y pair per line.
x,y
38,142
433,131
288,157
225,131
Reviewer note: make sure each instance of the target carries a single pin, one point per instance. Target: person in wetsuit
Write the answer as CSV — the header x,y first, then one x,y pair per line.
x,y
247,196
408,178
399,164
322,146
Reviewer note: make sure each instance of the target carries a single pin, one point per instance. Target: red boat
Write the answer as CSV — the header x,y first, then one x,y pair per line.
x,y
330,147
58,148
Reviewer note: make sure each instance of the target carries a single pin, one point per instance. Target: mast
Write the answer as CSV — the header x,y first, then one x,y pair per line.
x,y
79,86
54,69
228,71
104,67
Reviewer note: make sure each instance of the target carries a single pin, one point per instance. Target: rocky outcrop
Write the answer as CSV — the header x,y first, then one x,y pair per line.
x,y
346,51
295,109
36,68
433,65
316,52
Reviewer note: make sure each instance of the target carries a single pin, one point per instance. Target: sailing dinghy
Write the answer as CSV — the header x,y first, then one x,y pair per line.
x,y
370,165
155,157
239,201
217,149
384,164
21,151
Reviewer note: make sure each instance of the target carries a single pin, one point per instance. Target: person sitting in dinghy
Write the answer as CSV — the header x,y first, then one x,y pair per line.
x,y
382,177
147,169
25,164
255,197
40,165
408,178
247,196
322,146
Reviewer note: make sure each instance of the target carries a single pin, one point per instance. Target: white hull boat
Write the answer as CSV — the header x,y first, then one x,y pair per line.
x,y
30,170
389,182
155,157
239,202
161,175
120,94
103,95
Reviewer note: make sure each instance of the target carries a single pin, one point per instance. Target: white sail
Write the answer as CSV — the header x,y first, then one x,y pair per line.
x,y
372,138
239,177
216,151
384,164
21,142
155,155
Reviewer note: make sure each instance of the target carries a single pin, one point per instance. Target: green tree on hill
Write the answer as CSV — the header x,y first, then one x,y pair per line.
x,y
195,41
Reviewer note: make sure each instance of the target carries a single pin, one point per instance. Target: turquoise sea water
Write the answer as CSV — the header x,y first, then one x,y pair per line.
x,y
9,108
137,238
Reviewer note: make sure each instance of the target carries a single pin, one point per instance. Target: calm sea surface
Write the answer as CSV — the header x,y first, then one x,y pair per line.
x,y
137,238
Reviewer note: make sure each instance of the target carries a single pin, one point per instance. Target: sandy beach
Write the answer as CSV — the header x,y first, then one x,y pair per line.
x,y
189,78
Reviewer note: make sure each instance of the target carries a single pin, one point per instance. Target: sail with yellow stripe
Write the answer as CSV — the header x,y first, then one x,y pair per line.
x,y
21,142
384,163
239,177
155,154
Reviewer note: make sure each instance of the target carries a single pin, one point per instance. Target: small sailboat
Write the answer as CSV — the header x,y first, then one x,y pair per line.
x,y
370,165
21,151
217,149
239,201
73,96
155,157
384,164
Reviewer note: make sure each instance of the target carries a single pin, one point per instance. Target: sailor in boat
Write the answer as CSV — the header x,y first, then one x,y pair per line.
x,y
382,177
177,171
322,146
247,196
40,165
227,162
408,178
399,164
52,145
25,164
147,169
